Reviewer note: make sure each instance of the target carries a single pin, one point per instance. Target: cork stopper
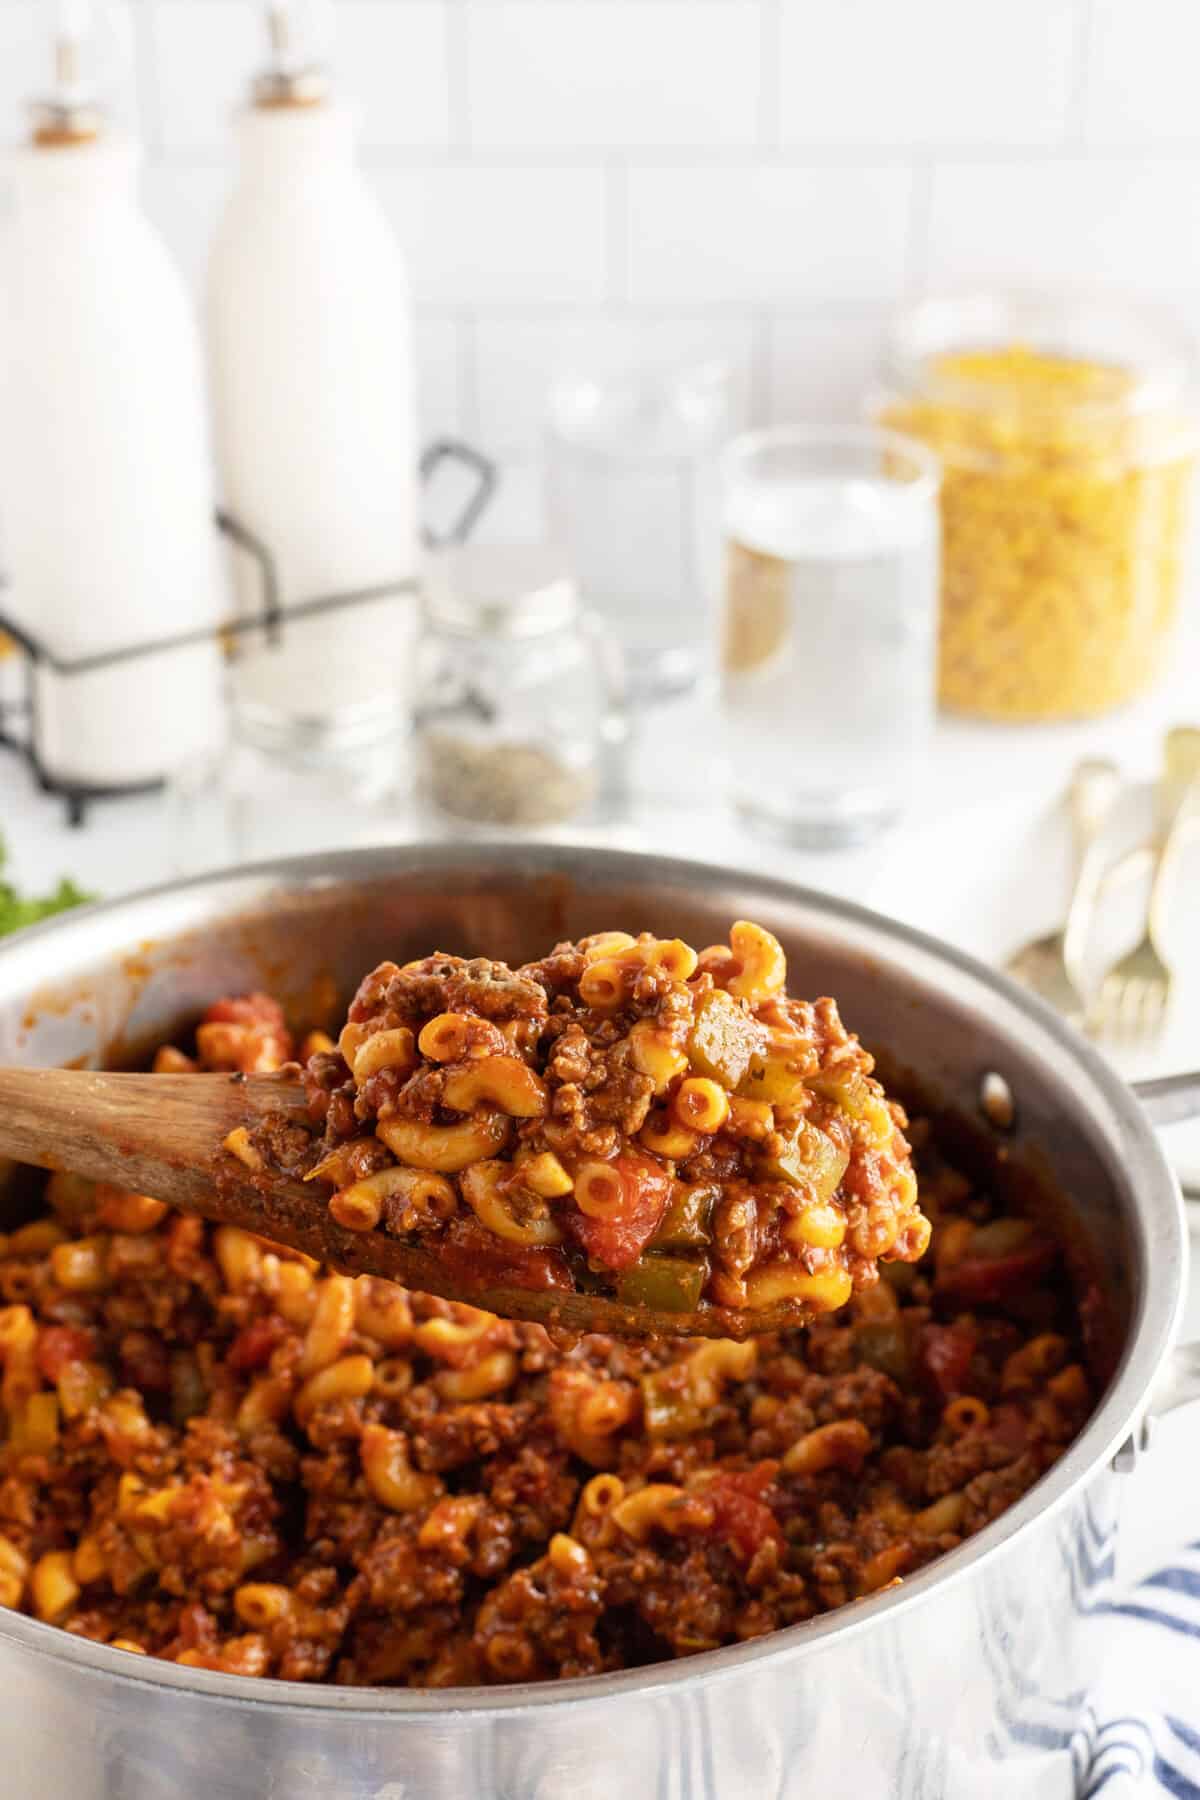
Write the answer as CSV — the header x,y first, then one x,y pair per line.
x,y
53,129
70,114
291,78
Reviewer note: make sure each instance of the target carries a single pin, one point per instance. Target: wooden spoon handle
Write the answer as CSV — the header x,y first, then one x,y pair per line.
x,y
163,1135
156,1134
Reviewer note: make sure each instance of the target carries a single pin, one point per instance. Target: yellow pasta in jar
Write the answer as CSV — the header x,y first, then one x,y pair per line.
x,y
1064,507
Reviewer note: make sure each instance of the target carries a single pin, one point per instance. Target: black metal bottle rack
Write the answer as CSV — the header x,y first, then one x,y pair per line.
x,y
18,718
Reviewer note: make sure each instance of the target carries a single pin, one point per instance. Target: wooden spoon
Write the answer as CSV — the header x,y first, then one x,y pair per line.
x,y
164,1135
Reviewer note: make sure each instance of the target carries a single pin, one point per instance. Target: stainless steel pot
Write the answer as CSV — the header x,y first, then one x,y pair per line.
x,y
938,1688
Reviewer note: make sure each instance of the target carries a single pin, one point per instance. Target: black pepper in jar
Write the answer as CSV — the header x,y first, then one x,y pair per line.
x,y
510,695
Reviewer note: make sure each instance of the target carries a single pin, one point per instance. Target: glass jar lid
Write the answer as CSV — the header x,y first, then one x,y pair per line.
x,y
1080,353
292,704
1076,381
500,591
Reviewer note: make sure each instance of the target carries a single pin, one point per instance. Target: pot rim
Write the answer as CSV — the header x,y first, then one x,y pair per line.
x,y
1142,1168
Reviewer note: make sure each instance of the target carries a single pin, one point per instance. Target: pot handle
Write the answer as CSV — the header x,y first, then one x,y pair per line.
x,y
1179,1382
1169,1099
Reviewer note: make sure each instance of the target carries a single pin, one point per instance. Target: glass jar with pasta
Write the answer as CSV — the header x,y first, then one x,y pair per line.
x,y
1067,448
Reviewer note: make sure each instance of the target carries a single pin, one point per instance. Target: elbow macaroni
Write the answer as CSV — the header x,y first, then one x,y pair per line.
x,y
763,969
445,1149
485,1188
502,1081
277,1504
571,1107
393,1050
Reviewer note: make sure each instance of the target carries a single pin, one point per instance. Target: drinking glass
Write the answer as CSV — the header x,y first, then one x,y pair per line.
x,y
830,619
633,487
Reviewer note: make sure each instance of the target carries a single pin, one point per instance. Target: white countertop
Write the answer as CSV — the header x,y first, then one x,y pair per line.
x,y
979,774
974,767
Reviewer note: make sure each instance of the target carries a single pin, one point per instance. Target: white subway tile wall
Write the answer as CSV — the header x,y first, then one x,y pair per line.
x,y
1130,221
599,76
933,73
23,62
497,234
1145,54
762,179
516,360
768,234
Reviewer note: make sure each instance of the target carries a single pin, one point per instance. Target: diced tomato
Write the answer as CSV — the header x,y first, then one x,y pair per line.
x,y
945,1356
992,1280
58,1345
246,1009
472,1254
742,1517
619,1241
246,1032
253,1346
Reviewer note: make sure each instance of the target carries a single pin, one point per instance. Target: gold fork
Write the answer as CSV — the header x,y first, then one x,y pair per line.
x,y
1049,965
1134,995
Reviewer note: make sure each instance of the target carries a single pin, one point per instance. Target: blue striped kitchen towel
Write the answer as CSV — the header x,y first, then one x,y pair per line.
x,y
1140,1733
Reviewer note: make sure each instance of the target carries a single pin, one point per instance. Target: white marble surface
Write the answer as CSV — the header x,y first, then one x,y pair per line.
x,y
982,778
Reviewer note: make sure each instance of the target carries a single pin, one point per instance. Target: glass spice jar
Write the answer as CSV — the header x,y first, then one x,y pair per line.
x,y
315,757
1067,449
511,690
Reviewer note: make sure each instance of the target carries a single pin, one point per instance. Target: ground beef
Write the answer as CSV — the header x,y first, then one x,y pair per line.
x,y
628,1074
413,1492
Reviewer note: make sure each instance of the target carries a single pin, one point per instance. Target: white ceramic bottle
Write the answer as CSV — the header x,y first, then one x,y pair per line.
x,y
311,368
105,473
